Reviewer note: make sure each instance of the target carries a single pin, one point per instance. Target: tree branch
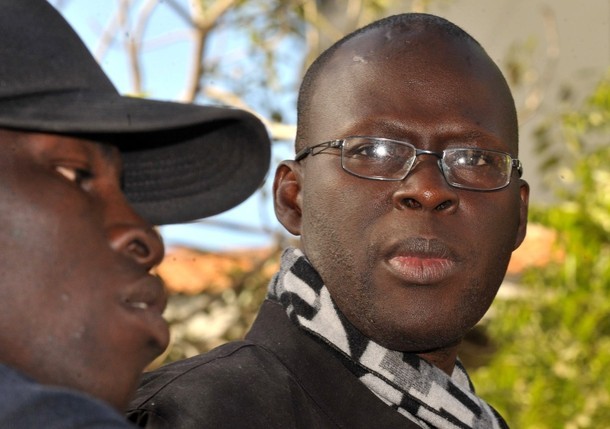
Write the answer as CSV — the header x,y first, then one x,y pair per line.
x,y
278,130
134,44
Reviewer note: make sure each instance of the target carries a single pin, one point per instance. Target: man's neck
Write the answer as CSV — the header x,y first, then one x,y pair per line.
x,y
443,359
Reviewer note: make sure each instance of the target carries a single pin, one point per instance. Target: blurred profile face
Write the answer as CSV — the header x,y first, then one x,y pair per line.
x,y
413,264
80,308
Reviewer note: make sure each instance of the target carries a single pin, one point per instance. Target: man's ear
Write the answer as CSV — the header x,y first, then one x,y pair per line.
x,y
287,199
524,194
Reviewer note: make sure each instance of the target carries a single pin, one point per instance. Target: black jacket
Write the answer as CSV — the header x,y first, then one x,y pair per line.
x,y
27,404
279,377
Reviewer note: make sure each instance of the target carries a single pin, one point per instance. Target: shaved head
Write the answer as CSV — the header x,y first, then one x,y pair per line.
x,y
408,26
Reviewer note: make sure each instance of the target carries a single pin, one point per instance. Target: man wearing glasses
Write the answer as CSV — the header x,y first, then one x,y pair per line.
x,y
406,194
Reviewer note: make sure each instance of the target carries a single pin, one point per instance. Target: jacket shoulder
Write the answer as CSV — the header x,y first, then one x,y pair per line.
x,y
228,385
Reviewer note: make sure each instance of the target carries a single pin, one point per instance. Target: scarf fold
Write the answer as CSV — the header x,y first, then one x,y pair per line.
x,y
413,387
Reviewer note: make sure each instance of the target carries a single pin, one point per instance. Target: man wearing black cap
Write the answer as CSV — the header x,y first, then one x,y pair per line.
x,y
84,175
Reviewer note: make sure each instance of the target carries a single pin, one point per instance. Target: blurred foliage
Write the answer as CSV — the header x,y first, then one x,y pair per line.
x,y
552,366
202,321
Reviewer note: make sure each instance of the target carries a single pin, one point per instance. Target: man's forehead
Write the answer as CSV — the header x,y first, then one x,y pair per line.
x,y
379,62
400,43
375,74
105,145
397,55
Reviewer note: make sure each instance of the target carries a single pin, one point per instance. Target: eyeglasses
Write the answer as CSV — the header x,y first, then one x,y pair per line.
x,y
385,159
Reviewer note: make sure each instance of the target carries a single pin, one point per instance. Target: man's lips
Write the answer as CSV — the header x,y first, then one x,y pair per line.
x,y
422,261
147,294
147,299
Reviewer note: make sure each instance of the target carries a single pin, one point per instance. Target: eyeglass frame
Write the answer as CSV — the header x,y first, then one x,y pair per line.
x,y
339,144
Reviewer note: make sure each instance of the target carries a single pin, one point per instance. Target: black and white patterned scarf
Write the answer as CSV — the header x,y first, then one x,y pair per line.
x,y
416,389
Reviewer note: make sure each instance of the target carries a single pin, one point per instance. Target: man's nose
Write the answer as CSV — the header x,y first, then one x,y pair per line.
x,y
131,235
140,243
425,188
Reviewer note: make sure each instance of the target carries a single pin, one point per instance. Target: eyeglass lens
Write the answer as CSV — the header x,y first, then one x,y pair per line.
x,y
384,159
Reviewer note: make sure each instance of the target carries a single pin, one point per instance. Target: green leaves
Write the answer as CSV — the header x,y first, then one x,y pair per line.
x,y
552,368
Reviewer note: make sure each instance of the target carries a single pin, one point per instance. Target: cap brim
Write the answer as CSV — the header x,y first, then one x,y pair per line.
x,y
182,162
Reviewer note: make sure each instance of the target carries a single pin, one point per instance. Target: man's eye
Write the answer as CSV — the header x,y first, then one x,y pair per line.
x,y
368,151
474,159
76,175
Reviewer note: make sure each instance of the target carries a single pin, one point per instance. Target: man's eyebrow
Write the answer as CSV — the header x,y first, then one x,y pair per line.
x,y
112,154
469,135
393,127
398,128
107,149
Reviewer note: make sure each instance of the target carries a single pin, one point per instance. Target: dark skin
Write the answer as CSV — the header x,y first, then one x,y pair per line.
x,y
80,307
412,264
